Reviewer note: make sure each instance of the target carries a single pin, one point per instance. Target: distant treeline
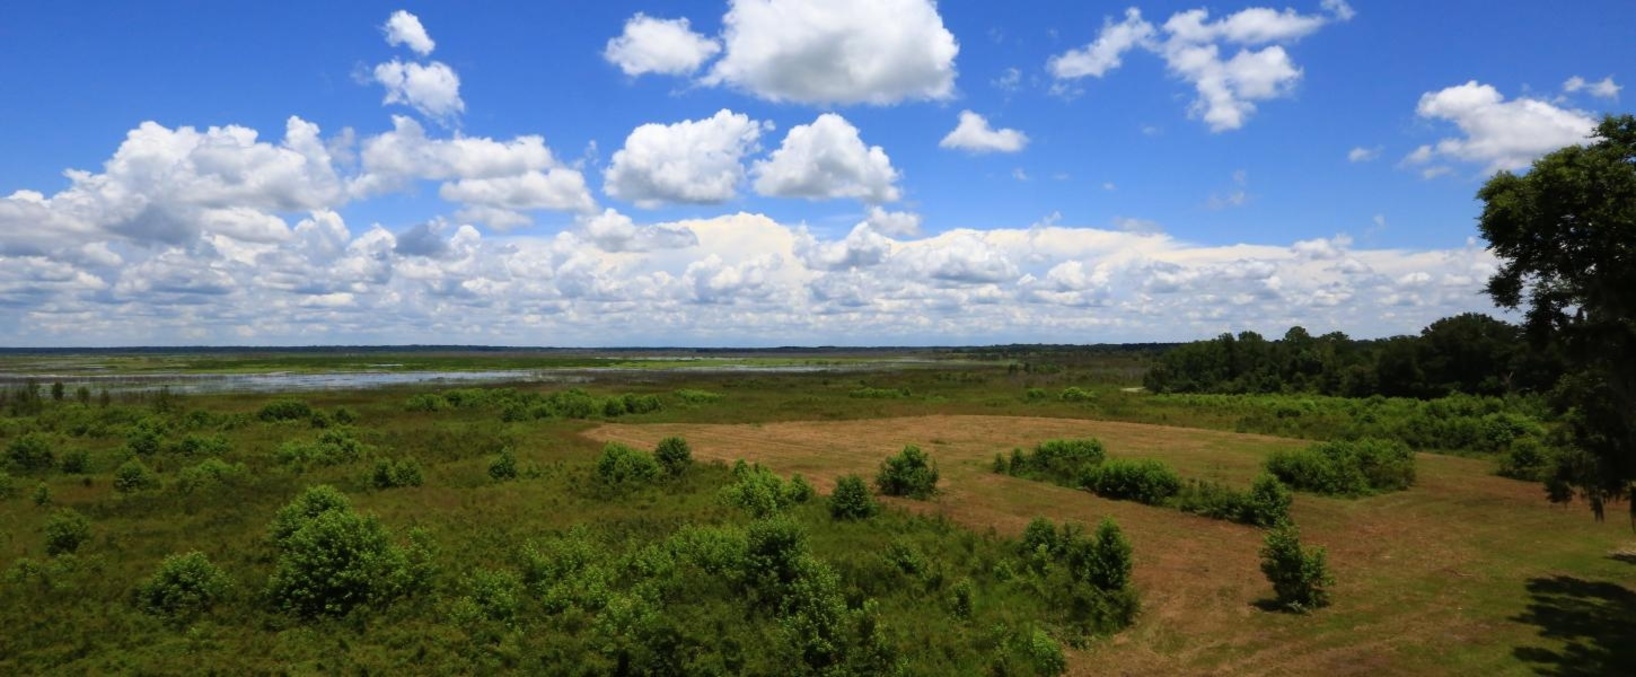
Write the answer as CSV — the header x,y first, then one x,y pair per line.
x,y
1469,353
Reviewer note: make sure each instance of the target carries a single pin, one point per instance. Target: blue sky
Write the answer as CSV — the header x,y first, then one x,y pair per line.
x,y
768,171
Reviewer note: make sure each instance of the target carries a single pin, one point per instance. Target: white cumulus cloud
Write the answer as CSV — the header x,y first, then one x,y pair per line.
x,y
433,89
837,52
1361,154
1107,51
1605,88
827,159
664,46
691,162
975,135
403,28
1498,134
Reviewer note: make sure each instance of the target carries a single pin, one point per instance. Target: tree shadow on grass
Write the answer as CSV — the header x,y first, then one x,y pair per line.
x,y
1596,620
1626,557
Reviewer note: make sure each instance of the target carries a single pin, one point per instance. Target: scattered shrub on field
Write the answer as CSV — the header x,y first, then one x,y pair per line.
x,y
144,442
674,455
338,561
42,495
65,531
504,466
133,476
851,499
31,451
1145,481
879,393
285,410
426,402
8,486
307,506
1300,578
76,461
494,595
1076,394
1269,502
905,557
1085,578
1211,499
908,473
642,404
1036,395
209,474
1527,459
1038,652
620,466
333,447
697,397
203,445
961,598
1346,468
761,493
799,489
184,587
392,473
1058,461
344,416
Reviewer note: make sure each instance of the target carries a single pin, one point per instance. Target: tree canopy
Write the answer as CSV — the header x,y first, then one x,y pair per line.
x,y
1565,233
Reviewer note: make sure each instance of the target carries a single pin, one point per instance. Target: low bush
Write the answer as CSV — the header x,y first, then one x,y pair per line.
x,y
503,467
285,410
202,445
674,455
1087,579
336,562
851,499
30,452
879,393
762,493
1145,481
908,473
1300,578
133,476
75,461
1265,504
1527,459
8,486
1346,467
697,397
622,466
1060,461
65,531
393,473
184,587
209,474
333,447
1076,394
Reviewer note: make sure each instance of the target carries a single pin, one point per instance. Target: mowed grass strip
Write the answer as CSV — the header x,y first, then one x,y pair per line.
x,y
1464,573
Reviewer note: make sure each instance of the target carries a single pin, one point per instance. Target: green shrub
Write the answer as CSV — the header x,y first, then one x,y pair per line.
x,y
1076,394
880,393
1212,499
1039,652
133,476
144,442
307,506
31,451
391,473
1109,561
1526,459
1146,481
908,473
335,562
76,461
426,402
1300,578
345,416
674,455
42,495
1346,467
1269,502
697,397
851,499
208,474
1059,461
185,586
504,466
285,410
799,490
8,486
622,466
495,594
759,491
333,447
1036,395
65,531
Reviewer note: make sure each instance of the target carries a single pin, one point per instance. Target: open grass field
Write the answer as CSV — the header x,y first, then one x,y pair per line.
x,y
1465,573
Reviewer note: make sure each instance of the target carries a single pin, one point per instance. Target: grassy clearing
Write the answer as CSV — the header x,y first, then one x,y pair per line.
x,y
1463,573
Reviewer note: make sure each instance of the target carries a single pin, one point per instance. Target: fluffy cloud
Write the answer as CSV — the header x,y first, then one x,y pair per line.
x,y
1107,51
403,28
1605,89
494,180
1499,134
975,135
692,162
614,232
433,89
827,159
1194,49
1361,154
837,52
665,46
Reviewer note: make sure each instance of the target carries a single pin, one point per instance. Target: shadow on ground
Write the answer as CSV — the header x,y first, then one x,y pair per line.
x,y
1596,620
1626,557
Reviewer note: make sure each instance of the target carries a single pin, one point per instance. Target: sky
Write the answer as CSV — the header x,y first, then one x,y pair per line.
x,y
769,172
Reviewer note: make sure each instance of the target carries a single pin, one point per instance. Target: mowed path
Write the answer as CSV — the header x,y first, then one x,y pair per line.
x,y
1430,580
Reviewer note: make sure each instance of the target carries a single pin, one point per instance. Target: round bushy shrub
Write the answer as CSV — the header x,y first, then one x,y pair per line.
x,y
675,455
209,473
32,451
391,473
8,486
65,531
133,476
851,499
336,562
1300,578
1147,480
504,466
1268,502
184,586
312,502
620,465
76,461
285,410
908,473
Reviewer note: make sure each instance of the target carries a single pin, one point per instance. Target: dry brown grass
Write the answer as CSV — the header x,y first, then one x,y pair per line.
x,y
1430,580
